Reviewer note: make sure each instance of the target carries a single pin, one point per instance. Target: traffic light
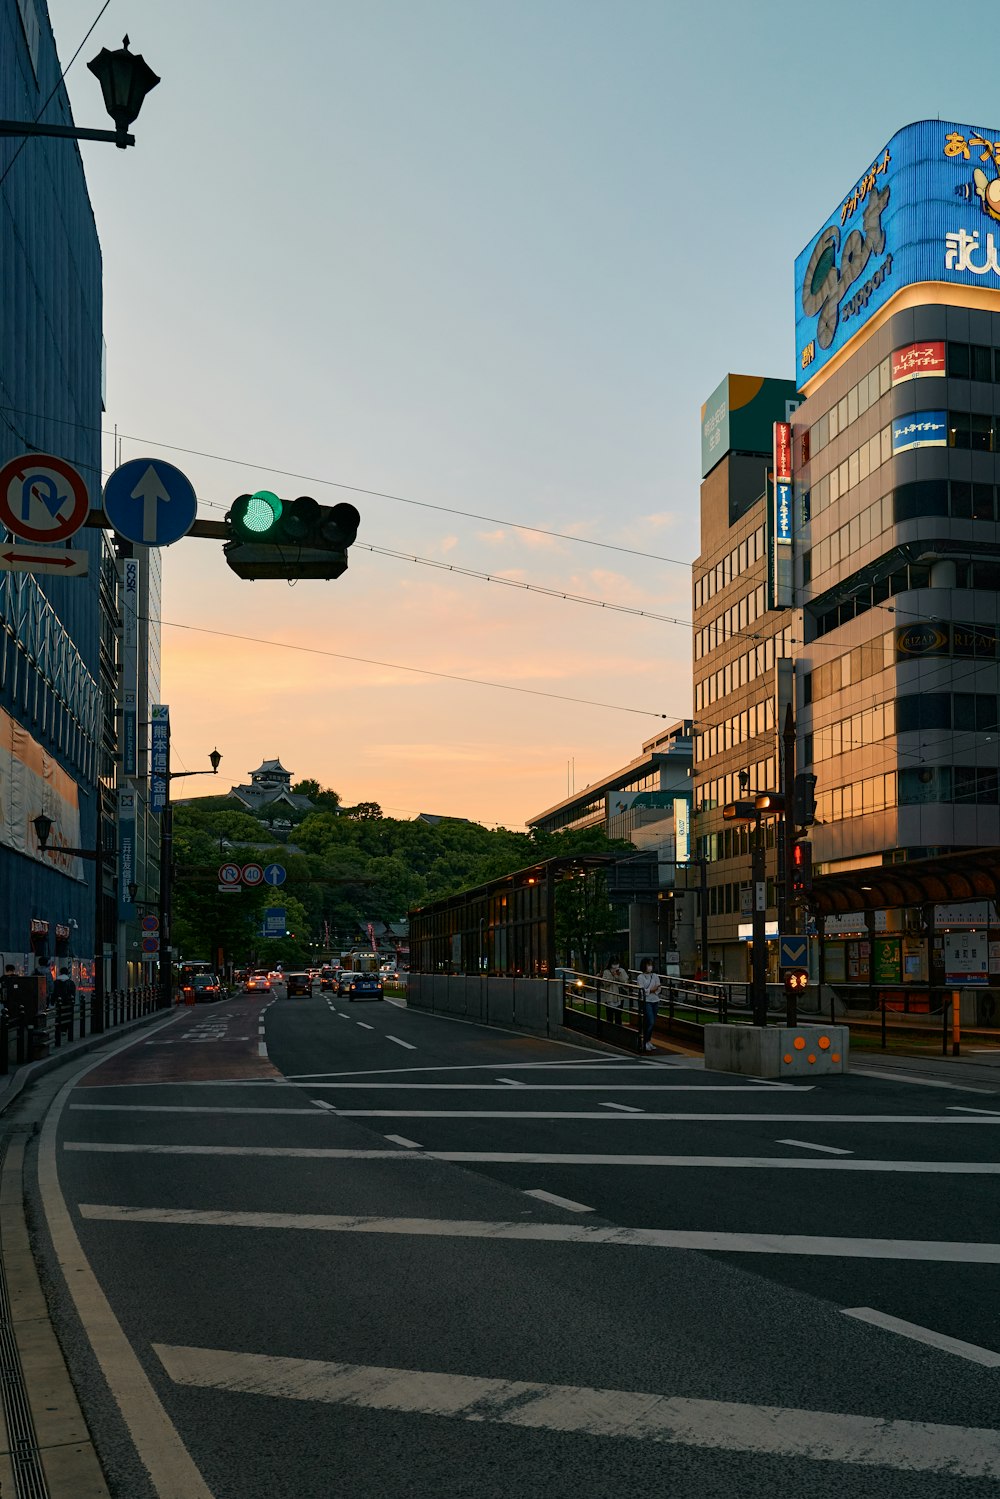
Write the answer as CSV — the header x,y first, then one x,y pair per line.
x,y
801,867
796,980
804,800
273,538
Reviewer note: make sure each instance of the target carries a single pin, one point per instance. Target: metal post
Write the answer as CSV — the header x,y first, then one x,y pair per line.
x,y
882,1008
956,1022
97,1010
788,915
758,877
166,860
703,913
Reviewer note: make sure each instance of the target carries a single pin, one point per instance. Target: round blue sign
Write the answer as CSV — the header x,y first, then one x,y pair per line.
x,y
150,502
274,874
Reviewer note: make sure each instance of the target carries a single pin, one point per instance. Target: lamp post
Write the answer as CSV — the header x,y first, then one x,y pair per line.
x,y
166,868
125,79
43,827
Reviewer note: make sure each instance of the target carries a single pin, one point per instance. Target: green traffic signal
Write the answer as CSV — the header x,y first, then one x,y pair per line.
x,y
255,516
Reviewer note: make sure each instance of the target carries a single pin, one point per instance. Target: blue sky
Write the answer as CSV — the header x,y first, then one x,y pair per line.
x,y
490,256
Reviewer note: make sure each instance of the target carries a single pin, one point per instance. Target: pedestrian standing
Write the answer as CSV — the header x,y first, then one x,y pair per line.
x,y
649,987
614,980
64,989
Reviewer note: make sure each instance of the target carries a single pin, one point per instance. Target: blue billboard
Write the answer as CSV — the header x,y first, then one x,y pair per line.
x,y
920,429
923,210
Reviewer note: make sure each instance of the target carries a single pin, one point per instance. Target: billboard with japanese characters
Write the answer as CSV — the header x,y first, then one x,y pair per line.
x,y
923,209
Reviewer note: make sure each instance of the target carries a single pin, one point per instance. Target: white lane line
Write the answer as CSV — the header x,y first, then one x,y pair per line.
x,y
553,1158
808,1145
923,1082
967,1108
321,1103
953,1252
544,1087
612,1064
191,1108
409,1045
402,1140
623,1108
641,1416
655,1118
512,1082
342,1014
365,1027
970,1351
556,1201
261,1049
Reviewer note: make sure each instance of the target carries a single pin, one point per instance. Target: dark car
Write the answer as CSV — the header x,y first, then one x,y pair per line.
x,y
364,986
344,979
298,984
327,979
205,987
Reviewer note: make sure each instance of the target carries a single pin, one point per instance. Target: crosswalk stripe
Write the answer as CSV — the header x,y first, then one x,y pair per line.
x,y
827,1436
919,1250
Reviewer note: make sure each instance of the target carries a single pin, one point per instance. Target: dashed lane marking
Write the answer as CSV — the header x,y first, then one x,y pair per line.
x,y
622,1108
408,1044
556,1201
808,1145
640,1416
970,1351
365,1027
402,1140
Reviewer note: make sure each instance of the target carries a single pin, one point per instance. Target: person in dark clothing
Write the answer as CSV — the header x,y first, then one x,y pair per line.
x,y
64,989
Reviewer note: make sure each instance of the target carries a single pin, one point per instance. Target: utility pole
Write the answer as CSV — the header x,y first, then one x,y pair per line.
x,y
758,971
788,911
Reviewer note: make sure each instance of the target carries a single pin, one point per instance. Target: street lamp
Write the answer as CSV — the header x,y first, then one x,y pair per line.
x,y
166,865
43,827
125,79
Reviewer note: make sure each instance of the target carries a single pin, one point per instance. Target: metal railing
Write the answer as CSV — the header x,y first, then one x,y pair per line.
x,y
23,1039
614,1012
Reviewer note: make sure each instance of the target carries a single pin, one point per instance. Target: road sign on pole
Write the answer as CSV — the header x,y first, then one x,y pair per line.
x,y
793,952
42,498
151,923
253,874
229,874
150,502
16,558
274,874
150,945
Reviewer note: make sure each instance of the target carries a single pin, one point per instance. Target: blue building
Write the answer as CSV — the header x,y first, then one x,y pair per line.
x,y
52,723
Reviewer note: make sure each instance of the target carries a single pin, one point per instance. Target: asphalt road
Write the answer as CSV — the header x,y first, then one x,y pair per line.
x,y
317,1248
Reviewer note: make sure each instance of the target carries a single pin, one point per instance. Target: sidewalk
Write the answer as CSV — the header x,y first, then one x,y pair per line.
x,y
971,1073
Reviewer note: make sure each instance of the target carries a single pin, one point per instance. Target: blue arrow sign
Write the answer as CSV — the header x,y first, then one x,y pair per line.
x,y
274,874
150,502
793,952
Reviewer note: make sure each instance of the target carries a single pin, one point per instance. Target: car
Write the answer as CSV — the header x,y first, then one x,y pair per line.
x,y
298,984
364,986
327,979
276,976
343,979
204,987
259,983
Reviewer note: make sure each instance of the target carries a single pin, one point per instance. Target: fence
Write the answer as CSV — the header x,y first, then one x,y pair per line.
x,y
23,1039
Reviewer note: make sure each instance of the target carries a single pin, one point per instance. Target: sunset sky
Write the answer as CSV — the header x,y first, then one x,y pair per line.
x,y
484,255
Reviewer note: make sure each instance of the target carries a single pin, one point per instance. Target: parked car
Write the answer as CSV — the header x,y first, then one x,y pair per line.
x,y
364,986
344,978
259,983
297,984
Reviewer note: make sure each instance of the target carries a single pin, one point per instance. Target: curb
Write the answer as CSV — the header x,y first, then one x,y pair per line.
x,y
28,1072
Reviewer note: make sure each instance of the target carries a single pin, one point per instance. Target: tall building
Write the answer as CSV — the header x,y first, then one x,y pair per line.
x,y
742,652
51,731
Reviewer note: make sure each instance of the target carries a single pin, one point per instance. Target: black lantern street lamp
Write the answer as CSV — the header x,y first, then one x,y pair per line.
x,y
125,78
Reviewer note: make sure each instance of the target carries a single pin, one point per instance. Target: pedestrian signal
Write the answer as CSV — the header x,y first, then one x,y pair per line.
x,y
801,864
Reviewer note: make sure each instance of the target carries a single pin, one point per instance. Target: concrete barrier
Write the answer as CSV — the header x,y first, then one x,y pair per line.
x,y
777,1050
517,1004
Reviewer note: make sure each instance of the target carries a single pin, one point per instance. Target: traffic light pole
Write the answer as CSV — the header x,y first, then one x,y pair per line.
x,y
758,875
788,910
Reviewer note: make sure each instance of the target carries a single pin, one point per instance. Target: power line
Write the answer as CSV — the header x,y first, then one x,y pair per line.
x,y
423,671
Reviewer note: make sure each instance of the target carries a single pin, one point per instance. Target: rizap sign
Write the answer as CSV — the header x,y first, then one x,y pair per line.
x,y
924,209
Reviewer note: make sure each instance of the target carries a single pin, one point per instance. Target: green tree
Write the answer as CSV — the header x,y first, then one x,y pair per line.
x,y
586,922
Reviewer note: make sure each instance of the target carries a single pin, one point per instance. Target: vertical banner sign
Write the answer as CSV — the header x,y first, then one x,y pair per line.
x,y
126,853
130,665
682,830
782,523
159,751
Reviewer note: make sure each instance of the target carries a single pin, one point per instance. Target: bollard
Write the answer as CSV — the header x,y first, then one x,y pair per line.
x,y
956,1023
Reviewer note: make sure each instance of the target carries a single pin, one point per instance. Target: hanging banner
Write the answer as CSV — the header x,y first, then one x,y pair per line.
x,y
32,782
126,853
159,756
130,665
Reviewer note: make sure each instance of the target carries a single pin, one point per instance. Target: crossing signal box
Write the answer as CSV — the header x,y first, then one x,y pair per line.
x,y
804,800
273,538
796,980
801,863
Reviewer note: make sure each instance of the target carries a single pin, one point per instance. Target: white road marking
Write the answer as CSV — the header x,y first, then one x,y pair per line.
x,y
160,1449
826,1436
321,1103
654,1118
511,1082
364,1026
402,1140
556,1201
342,1014
967,1108
191,1108
623,1108
970,1351
808,1145
612,1064
923,1082
409,1046
548,1087
553,1158
954,1252
261,1049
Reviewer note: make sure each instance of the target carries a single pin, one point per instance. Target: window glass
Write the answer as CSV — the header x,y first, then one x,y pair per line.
x,y
852,405
961,499
959,435
958,361
833,422
980,432
982,501
842,413
886,436
982,362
